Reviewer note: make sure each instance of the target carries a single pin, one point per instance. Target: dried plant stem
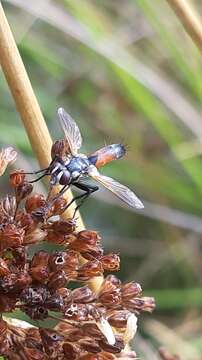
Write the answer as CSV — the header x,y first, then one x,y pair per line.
x,y
189,19
28,107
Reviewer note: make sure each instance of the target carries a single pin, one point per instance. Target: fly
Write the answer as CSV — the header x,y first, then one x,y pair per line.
x,y
71,168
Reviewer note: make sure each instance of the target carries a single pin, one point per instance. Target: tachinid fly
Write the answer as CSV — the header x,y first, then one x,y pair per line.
x,y
71,167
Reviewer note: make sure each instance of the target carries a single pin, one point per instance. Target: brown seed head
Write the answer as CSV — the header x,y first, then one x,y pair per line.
x,y
116,348
4,269
41,258
34,295
58,279
83,295
59,206
34,201
130,290
22,191
11,236
118,318
7,303
39,268
55,302
110,262
71,351
89,236
34,237
89,345
37,312
52,342
4,341
7,208
113,279
87,243
26,221
66,295
15,282
140,304
90,269
17,178
81,312
63,227
56,238
64,260
19,255
33,354
110,294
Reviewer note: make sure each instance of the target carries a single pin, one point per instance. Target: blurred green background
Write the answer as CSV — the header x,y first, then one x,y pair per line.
x,y
127,71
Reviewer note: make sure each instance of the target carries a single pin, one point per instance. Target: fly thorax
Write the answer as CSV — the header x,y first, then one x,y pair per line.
x,y
76,175
78,165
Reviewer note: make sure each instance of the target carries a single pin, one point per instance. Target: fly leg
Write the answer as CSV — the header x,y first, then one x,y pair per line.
x,y
89,189
52,200
35,172
39,178
45,171
60,193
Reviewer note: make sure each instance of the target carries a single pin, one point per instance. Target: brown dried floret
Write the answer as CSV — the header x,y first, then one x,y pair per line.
x,y
34,201
38,285
11,236
39,268
22,191
90,269
110,262
17,178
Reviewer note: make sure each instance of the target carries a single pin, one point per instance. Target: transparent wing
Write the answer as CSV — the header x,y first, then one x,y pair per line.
x,y
121,191
71,131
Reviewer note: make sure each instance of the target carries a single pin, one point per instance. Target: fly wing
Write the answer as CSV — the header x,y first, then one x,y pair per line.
x,y
121,191
71,131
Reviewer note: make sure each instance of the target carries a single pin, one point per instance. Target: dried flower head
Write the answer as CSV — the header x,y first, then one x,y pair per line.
x,y
93,326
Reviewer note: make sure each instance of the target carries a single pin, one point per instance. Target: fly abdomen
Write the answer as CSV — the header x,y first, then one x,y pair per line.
x,y
107,154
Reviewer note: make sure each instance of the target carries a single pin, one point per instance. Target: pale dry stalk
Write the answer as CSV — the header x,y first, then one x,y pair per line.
x,y
189,19
28,108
